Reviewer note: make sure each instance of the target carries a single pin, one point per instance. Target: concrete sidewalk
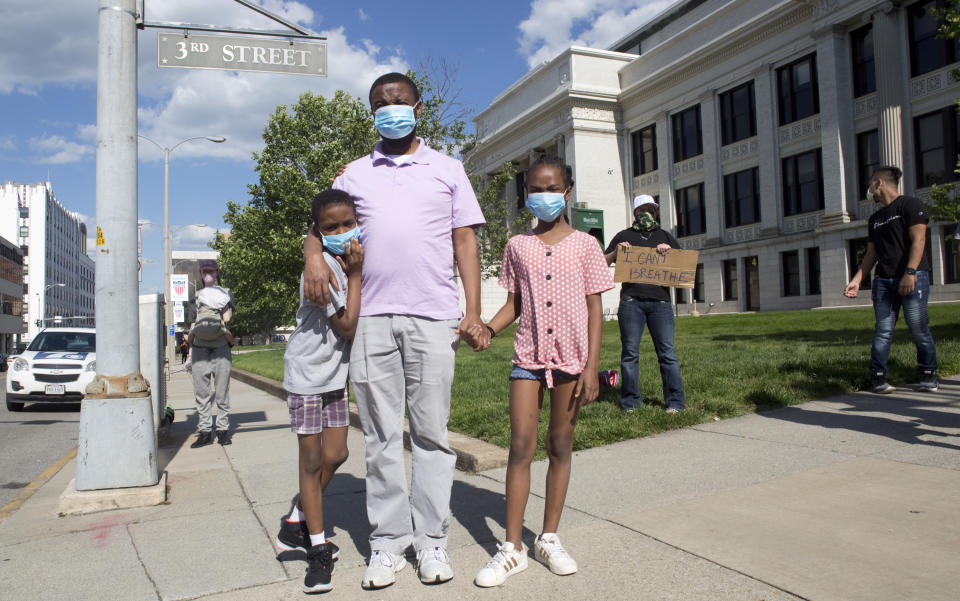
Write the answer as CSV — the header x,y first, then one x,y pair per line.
x,y
851,497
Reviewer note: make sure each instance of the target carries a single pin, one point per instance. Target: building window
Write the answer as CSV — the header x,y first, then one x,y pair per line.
x,y
521,180
813,270
868,158
951,256
738,114
741,196
864,66
686,134
936,138
928,51
802,183
698,284
797,90
730,280
790,268
858,248
644,150
691,217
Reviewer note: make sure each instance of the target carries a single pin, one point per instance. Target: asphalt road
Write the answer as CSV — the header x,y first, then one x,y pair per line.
x,y
32,439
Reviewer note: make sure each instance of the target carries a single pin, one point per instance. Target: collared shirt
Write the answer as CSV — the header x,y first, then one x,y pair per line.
x,y
407,214
553,282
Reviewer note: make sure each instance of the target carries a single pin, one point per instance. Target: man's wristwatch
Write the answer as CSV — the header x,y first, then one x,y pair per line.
x,y
911,271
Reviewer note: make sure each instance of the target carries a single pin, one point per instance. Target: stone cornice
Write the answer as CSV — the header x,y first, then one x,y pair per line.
x,y
749,36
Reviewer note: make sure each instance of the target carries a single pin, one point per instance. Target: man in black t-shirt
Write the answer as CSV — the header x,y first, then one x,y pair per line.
x,y
646,305
896,238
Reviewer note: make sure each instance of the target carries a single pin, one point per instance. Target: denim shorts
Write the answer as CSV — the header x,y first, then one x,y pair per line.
x,y
519,373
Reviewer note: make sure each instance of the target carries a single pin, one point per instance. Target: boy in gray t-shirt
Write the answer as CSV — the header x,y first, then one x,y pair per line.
x,y
315,378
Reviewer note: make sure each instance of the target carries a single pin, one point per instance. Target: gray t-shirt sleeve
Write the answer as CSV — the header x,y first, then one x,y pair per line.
x,y
338,298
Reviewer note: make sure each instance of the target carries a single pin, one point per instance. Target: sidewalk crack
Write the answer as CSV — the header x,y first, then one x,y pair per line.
x,y
146,571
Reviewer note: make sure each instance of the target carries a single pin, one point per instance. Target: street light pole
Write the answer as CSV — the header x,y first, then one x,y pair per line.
x,y
167,288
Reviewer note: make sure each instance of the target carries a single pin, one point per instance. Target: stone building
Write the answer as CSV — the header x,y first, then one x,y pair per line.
x,y
58,276
755,123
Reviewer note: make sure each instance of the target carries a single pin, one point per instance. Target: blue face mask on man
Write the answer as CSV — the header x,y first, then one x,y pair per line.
x,y
337,243
546,206
395,121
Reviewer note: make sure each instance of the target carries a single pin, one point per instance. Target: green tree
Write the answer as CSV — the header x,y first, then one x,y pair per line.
x,y
492,237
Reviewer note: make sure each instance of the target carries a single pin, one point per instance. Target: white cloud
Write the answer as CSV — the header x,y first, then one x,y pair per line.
x,y
8,142
175,104
192,237
363,15
58,150
555,25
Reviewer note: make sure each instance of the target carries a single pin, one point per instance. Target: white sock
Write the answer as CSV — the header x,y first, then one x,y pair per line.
x,y
317,539
296,515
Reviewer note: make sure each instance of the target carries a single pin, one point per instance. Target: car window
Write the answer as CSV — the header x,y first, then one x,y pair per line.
x,y
64,341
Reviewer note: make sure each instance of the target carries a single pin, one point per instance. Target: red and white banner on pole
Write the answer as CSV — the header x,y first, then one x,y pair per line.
x,y
178,313
179,287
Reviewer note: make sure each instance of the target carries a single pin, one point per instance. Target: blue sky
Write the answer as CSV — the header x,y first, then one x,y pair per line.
x,y
48,88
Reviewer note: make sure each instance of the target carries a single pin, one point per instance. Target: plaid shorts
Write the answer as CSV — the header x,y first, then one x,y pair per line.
x,y
311,413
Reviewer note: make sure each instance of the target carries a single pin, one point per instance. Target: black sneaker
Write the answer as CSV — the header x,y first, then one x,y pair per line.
x,y
294,536
223,437
203,439
879,384
928,382
319,569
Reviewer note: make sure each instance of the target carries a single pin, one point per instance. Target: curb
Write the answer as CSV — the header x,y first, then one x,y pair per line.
x,y
473,455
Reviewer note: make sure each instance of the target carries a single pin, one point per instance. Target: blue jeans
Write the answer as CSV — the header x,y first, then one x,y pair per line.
x,y
886,305
658,316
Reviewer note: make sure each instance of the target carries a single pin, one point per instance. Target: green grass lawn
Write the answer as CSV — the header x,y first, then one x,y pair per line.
x,y
731,365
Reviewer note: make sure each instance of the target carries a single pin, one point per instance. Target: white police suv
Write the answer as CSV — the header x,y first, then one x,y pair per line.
x,y
55,368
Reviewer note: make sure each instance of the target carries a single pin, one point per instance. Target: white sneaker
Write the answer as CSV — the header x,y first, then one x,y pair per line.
x,y
433,565
549,551
381,569
507,562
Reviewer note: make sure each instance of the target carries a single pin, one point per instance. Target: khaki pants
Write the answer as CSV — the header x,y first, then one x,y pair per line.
x,y
397,361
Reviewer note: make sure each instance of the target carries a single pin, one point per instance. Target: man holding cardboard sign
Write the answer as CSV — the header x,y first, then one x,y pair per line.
x,y
647,304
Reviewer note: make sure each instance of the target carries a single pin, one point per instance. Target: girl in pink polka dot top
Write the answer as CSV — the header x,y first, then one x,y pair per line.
x,y
554,276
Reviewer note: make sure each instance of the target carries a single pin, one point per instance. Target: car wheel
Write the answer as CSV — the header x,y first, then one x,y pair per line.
x,y
14,406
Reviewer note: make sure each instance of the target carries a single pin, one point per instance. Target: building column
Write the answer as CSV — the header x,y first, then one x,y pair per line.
x,y
836,122
668,209
769,152
890,68
712,195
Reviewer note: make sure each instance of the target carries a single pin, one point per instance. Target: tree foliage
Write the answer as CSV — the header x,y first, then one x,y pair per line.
x,y
492,238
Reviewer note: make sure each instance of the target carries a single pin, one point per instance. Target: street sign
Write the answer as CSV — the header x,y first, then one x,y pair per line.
x,y
232,53
179,287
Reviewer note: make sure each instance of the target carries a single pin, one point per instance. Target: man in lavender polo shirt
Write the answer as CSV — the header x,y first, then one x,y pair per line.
x,y
417,211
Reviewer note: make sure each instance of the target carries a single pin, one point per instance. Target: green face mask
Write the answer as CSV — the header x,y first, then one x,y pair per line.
x,y
644,221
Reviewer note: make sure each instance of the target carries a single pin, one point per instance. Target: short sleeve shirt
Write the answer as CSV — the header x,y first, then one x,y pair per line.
x,y
317,358
553,283
408,208
889,230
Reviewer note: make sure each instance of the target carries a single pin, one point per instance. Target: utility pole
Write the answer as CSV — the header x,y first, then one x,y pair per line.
x,y
117,447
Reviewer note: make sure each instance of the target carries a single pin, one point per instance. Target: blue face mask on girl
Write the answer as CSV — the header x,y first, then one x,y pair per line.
x,y
546,206
395,121
337,243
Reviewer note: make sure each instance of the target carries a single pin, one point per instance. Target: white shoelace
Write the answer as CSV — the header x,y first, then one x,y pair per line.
x,y
435,553
552,548
500,558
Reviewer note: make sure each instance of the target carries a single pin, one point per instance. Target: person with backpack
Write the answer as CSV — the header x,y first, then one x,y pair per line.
x,y
210,343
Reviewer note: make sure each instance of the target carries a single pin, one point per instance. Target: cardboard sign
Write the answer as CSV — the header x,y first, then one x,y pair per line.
x,y
643,265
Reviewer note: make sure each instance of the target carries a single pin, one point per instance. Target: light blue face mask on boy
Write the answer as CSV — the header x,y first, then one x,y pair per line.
x,y
546,206
337,243
395,121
